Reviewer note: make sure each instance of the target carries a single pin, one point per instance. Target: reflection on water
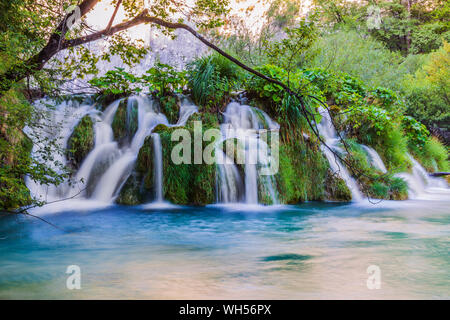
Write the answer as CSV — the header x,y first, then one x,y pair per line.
x,y
311,251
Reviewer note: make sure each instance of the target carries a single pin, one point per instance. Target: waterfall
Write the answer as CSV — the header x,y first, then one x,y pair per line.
x,y
107,166
421,185
375,159
243,124
158,167
59,125
327,130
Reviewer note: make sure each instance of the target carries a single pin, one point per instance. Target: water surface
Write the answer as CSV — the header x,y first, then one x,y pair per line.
x,y
309,251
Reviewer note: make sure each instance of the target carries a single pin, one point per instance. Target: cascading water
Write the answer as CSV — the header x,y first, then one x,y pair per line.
x,y
110,183
422,186
106,168
327,130
243,123
158,170
59,126
375,159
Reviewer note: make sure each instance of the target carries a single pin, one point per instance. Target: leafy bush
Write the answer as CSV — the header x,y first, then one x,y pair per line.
x,y
15,152
427,91
417,133
281,105
164,79
116,82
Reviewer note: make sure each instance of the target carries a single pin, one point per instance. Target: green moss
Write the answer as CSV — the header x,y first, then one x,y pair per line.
x,y
170,106
81,142
183,184
192,184
125,123
336,188
139,187
104,100
302,173
208,119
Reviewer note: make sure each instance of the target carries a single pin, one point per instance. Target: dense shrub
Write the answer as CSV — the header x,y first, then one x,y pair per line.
x,y
211,79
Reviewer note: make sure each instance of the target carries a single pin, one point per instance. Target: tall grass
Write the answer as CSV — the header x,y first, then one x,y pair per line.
x,y
210,78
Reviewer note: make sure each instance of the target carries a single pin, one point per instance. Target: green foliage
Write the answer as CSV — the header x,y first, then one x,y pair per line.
x,y
427,91
359,56
380,129
164,79
116,82
386,98
211,79
278,103
406,26
432,155
416,132
293,51
161,80
429,37
15,152
170,106
373,116
372,182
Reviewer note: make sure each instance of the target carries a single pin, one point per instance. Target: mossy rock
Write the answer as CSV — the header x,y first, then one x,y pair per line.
x,y
81,142
125,122
183,184
170,106
191,184
336,189
388,188
302,173
209,120
104,100
373,182
139,187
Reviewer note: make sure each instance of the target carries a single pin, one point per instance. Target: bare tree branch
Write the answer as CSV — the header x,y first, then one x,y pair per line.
x,y
113,15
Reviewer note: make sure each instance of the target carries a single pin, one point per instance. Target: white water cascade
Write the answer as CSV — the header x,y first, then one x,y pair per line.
x,y
327,130
375,159
58,125
422,186
107,167
243,124
158,168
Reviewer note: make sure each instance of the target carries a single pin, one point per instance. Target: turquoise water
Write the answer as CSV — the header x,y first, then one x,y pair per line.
x,y
310,251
